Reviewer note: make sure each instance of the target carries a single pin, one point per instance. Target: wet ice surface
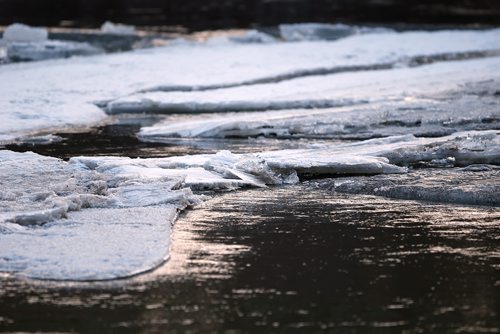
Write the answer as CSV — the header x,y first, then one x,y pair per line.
x,y
296,259
472,106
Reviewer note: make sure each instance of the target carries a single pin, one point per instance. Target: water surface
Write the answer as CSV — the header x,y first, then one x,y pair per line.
x,y
292,259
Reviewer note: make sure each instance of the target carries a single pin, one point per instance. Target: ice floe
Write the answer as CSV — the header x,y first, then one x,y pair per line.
x,y
253,36
25,43
20,51
433,115
60,93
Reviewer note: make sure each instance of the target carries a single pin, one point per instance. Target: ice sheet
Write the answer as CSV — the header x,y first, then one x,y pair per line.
x,y
449,185
60,93
66,222
433,115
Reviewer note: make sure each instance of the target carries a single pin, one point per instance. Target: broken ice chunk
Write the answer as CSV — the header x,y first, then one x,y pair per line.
x,y
19,32
117,29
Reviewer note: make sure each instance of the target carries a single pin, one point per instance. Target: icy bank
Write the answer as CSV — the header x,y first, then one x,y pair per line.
x,y
71,87
49,50
450,185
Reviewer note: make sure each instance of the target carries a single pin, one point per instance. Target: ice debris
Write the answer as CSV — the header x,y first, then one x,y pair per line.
x,y
64,207
19,32
453,185
21,51
117,29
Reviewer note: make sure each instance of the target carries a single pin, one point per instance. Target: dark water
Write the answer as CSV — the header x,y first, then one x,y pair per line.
x,y
293,259
120,140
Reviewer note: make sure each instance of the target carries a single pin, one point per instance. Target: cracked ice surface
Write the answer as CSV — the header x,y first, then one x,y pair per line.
x,y
319,91
59,93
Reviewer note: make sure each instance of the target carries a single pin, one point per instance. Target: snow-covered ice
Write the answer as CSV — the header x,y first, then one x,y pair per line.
x,y
60,93
19,32
59,220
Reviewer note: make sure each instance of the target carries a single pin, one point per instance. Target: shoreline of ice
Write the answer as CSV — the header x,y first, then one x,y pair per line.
x,y
35,97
